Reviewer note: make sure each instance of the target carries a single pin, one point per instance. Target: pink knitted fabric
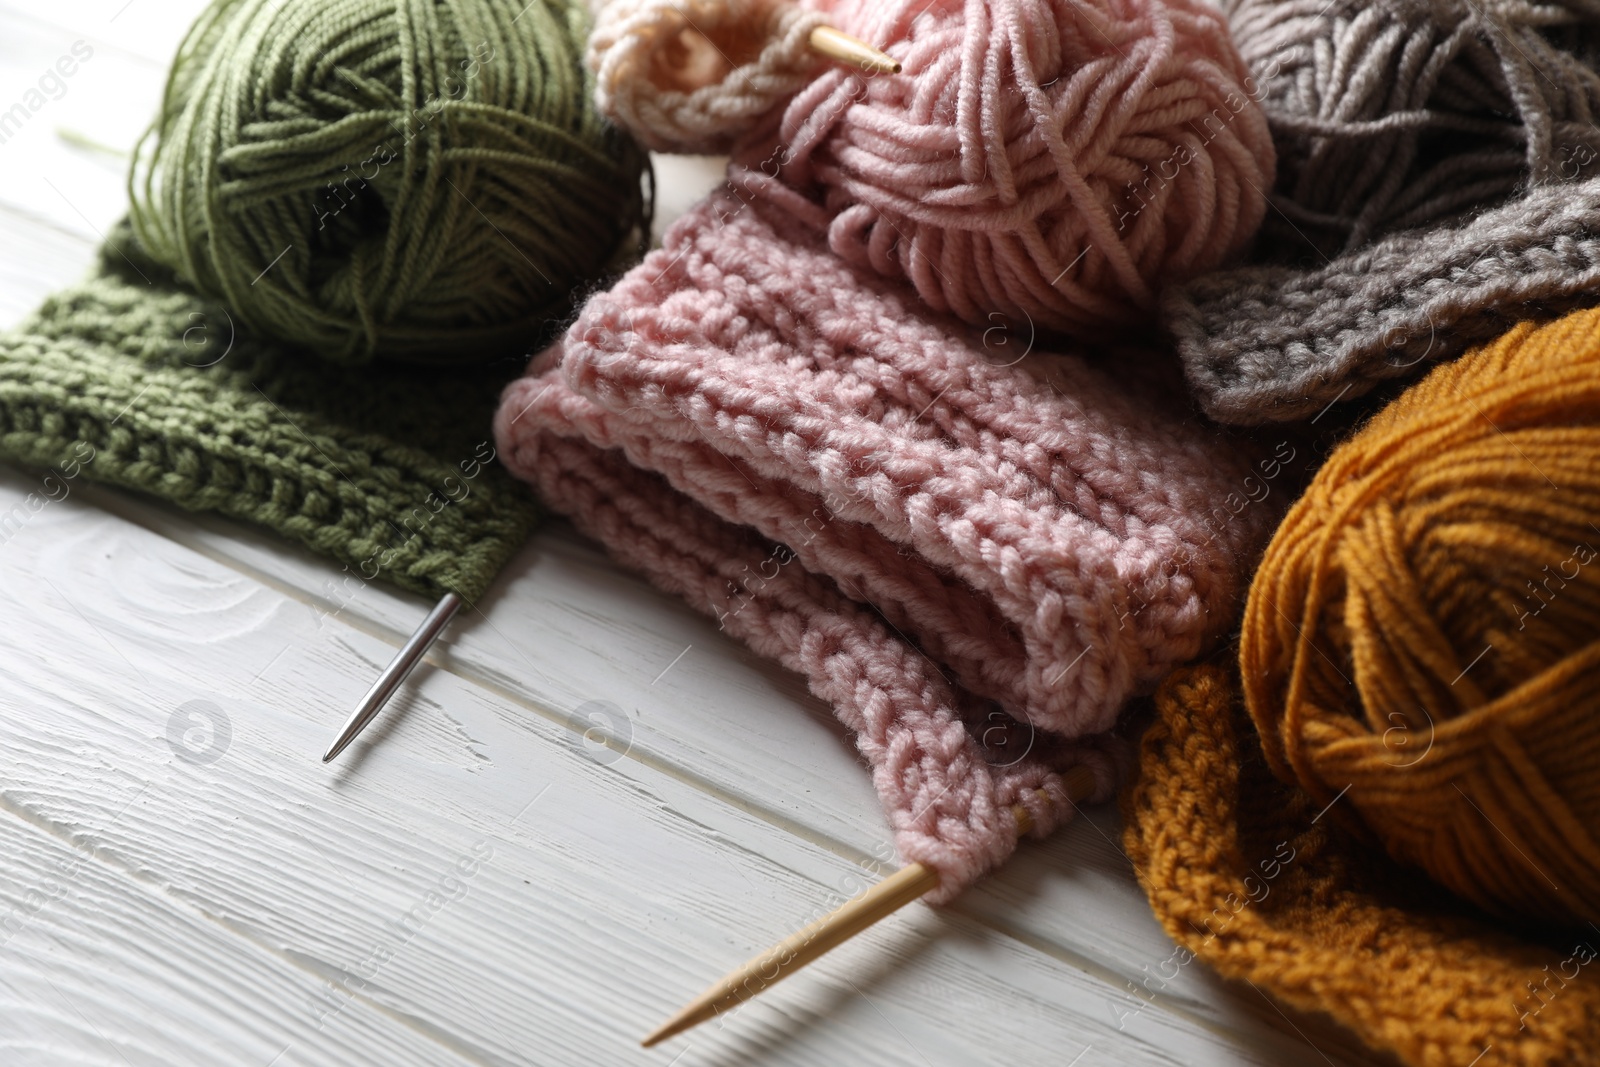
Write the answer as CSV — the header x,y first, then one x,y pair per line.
x,y
856,489
1048,162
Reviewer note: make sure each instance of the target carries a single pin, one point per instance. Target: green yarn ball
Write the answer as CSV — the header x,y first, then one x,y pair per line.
x,y
426,180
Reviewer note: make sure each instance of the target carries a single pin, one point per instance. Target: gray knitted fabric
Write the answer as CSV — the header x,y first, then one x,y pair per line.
x,y
1270,344
1467,131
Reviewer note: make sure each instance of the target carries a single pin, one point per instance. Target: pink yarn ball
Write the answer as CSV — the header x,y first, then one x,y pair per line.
x,y
1054,161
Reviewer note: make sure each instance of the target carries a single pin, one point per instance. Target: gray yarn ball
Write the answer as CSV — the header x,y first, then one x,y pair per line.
x,y
1395,114
1439,178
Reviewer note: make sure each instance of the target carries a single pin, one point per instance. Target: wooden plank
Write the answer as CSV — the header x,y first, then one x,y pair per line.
x,y
607,889
39,259
115,595
146,31
101,967
50,170
728,723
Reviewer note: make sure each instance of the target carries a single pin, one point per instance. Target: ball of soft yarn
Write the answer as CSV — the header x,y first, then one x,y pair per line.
x,y
1043,161
1422,642
422,179
1438,180
1393,114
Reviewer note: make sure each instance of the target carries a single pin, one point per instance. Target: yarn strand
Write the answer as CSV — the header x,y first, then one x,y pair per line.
x,y
420,179
1439,583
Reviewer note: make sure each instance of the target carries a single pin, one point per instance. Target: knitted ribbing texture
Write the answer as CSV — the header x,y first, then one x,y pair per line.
x,y
391,474
861,491
1248,878
1397,122
1262,344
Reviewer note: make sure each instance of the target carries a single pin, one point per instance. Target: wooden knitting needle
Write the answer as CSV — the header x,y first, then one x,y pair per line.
x,y
405,661
831,931
851,51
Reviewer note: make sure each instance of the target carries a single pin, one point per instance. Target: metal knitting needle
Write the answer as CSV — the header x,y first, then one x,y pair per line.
x,y
405,661
852,51
831,931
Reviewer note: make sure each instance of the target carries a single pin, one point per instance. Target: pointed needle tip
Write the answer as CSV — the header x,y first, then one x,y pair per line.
x,y
671,1028
394,675
841,47
340,743
350,732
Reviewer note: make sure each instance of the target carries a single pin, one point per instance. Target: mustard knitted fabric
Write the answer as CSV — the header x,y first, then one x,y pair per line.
x,y
1247,877
389,471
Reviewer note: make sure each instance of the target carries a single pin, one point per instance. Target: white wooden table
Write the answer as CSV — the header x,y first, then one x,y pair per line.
x,y
474,882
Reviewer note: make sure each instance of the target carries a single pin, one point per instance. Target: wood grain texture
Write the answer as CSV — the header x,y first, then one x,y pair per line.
x,y
749,734
481,875
158,908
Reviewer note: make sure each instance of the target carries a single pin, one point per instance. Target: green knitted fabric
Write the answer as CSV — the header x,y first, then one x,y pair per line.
x,y
388,470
